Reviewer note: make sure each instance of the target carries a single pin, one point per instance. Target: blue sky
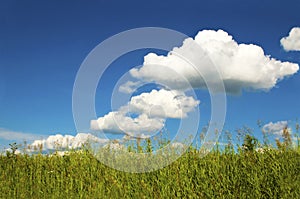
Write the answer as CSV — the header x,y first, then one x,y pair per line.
x,y
43,43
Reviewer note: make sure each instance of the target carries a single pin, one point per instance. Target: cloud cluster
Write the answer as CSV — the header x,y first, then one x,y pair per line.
x,y
65,141
151,111
241,66
207,57
275,128
292,42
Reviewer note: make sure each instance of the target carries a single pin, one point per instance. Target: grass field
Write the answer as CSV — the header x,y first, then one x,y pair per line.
x,y
273,173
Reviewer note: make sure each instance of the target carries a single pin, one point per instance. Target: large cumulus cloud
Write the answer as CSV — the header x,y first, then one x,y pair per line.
x,y
240,66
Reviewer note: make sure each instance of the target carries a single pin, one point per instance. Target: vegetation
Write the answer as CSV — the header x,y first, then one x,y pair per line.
x,y
245,173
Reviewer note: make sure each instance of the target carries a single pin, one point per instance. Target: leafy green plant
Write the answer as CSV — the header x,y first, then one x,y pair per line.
x,y
250,143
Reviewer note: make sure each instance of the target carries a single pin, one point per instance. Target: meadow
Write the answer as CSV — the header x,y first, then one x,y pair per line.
x,y
229,173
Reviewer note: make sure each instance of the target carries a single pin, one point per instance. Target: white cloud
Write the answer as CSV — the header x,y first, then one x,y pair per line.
x,y
292,42
18,136
16,152
129,86
295,141
94,125
131,136
163,104
115,146
152,109
241,66
117,122
65,141
275,128
178,145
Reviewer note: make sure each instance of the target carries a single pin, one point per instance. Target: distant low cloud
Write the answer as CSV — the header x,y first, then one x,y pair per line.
x,y
178,145
292,41
129,136
241,66
11,151
8,135
115,146
275,128
59,141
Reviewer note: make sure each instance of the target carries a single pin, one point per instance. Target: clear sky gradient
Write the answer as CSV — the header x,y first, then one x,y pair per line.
x,y
43,43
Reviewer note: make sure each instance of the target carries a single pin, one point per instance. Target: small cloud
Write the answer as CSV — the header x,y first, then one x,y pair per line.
x,y
275,128
16,151
222,143
6,134
178,145
133,136
129,86
292,42
115,146
295,141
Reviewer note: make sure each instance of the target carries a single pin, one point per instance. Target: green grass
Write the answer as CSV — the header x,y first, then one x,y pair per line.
x,y
228,174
